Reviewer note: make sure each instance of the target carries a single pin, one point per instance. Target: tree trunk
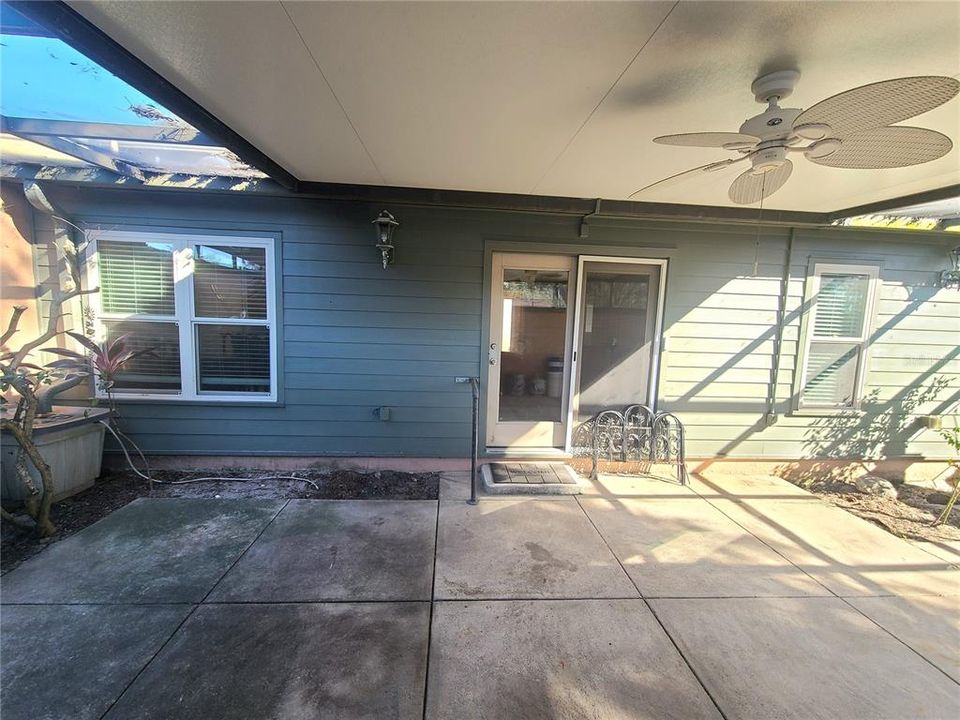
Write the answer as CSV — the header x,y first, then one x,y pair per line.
x,y
41,513
945,515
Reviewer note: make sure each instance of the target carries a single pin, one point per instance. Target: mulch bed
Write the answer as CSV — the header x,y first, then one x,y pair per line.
x,y
908,516
115,489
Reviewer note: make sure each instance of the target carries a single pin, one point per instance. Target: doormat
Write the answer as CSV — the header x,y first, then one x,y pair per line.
x,y
543,478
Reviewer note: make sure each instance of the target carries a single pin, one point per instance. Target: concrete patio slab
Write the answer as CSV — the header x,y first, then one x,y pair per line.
x,y
809,659
747,487
455,485
565,659
325,660
847,554
524,548
687,548
624,486
339,550
73,661
152,550
930,624
948,550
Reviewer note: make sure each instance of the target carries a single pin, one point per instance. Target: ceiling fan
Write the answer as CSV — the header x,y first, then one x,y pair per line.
x,y
853,130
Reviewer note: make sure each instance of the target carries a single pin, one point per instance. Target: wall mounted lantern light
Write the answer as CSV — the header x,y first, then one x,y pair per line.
x,y
386,224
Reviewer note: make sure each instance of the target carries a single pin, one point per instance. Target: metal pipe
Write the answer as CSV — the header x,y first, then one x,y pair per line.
x,y
474,432
771,417
475,391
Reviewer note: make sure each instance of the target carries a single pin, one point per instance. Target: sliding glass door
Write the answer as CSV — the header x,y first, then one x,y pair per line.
x,y
529,348
567,339
617,335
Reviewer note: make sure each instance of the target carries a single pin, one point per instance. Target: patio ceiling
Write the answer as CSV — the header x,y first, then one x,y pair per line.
x,y
539,98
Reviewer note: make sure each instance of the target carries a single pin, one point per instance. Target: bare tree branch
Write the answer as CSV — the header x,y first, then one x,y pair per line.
x,y
18,310
56,305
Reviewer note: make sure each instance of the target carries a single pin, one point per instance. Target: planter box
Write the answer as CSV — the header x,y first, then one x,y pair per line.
x,y
71,441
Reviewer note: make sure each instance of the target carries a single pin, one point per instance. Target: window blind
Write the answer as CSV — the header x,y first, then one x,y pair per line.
x,y
230,282
841,306
136,278
157,366
831,374
233,358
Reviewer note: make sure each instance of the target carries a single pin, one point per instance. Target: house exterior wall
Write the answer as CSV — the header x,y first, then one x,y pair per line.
x,y
17,274
355,337
31,265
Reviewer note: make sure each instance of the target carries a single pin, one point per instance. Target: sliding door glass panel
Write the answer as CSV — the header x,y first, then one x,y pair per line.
x,y
617,325
532,345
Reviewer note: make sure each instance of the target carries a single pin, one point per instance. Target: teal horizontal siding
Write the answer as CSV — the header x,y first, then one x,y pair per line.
x,y
381,351
380,319
373,271
313,412
377,335
303,428
380,303
356,337
387,286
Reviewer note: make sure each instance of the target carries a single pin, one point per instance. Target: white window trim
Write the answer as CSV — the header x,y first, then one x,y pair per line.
x,y
815,272
185,316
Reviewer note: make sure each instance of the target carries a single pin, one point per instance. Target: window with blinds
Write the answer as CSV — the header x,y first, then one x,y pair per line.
x,y
136,278
199,311
840,303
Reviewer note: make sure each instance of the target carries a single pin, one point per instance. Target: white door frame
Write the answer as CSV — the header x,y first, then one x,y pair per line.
x,y
653,380
526,261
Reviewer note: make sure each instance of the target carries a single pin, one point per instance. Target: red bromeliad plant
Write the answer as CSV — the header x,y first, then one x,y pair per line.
x,y
105,360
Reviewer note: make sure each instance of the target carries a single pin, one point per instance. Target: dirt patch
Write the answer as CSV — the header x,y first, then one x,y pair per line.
x,y
908,516
114,490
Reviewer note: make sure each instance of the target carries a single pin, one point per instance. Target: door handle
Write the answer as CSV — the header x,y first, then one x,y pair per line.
x,y
493,353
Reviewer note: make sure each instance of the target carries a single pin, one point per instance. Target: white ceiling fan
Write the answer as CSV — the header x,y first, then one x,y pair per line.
x,y
852,130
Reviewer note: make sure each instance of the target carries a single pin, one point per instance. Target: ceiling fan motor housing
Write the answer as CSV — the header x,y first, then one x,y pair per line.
x,y
773,124
775,86
768,158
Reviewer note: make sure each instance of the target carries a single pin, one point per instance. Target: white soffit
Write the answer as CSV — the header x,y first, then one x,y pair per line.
x,y
246,64
513,97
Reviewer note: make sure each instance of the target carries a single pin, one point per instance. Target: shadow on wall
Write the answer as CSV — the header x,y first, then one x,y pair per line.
x,y
880,430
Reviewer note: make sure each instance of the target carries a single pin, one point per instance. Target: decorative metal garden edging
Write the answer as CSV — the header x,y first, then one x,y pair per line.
x,y
635,434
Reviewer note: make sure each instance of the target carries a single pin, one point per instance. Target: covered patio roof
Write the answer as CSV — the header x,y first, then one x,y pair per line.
x,y
511,100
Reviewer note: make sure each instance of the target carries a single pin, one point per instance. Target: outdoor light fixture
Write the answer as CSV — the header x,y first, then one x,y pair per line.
x,y
951,278
386,224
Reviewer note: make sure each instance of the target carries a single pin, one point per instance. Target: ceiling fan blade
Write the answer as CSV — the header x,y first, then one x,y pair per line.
x,y
887,147
749,188
707,139
673,179
879,104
